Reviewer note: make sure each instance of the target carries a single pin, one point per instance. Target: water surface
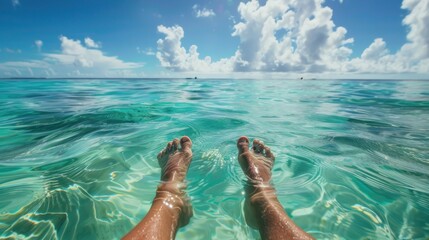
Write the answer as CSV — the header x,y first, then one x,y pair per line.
x,y
78,157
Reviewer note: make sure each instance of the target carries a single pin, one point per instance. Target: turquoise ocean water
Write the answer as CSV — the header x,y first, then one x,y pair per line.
x,y
78,157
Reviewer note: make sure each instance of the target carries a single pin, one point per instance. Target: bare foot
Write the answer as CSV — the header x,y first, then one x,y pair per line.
x,y
170,208
256,164
262,209
174,162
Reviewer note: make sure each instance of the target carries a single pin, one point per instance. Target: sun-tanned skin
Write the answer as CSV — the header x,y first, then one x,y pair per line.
x,y
262,209
170,208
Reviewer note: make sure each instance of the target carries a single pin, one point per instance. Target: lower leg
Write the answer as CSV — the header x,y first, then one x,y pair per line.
x,y
170,209
262,208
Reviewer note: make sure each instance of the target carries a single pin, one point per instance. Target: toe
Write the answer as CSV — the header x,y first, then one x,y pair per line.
x,y
176,143
243,144
258,146
160,154
185,143
169,147
269,154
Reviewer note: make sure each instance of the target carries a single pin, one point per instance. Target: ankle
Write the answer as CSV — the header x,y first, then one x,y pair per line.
x,y
173,189
173,176
262,195
172,195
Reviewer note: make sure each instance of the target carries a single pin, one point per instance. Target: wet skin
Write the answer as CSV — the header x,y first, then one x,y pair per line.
x,y
262,209
171,209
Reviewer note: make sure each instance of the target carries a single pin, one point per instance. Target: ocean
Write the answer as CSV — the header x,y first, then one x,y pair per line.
x,y
78,157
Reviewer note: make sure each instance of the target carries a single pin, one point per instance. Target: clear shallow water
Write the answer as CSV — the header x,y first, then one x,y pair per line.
x,y
78,157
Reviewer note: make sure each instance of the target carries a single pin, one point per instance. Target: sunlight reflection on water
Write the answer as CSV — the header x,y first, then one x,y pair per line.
x,y
79,157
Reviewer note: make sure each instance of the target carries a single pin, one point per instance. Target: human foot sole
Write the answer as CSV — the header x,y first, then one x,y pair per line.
x,y
256,163
175,159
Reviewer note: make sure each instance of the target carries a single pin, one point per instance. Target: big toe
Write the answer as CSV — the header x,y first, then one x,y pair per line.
x,y
243,144
185,143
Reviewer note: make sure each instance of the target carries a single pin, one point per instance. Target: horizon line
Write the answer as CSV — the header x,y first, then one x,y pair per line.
x,y
215,78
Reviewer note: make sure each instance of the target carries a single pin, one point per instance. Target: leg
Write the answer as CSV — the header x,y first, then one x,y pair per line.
x,y
170,209
262,209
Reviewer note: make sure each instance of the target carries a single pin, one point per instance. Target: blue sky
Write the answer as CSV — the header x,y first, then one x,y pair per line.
x,y
223,38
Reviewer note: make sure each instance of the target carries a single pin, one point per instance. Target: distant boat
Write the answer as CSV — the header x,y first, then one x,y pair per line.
x,y
191,78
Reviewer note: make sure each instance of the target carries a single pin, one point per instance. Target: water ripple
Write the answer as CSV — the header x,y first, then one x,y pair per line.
x,y
79,157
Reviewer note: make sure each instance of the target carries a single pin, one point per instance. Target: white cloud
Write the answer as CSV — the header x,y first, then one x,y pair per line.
x,y
376,50
91,44
15,3
291,36
418,21
148,51
25,64
30,72
173,56
280,36
39,44
73,53
203,12
415,53
74,59
413,57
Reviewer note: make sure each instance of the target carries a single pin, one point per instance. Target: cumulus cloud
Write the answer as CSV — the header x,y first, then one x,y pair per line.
x,y
74,59
74,53
203,12
280,36
289,36
413,57
418,36
39,44
300,36
90,43
376,50
415,53
173,56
